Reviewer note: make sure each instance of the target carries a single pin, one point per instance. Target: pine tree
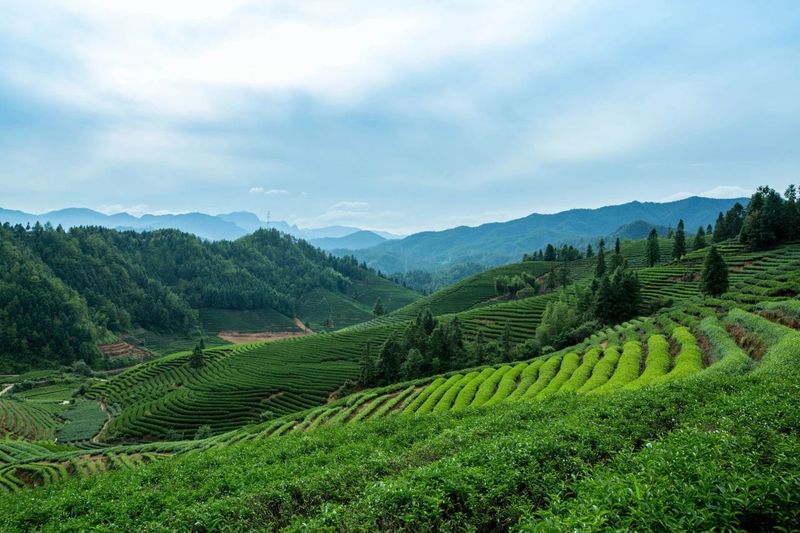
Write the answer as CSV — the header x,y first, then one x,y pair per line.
x,y
600,269
616,259
589,251
378,309
653,250
679,246
709,230
550,253
367,374
197,359
715,273
700,238
720,233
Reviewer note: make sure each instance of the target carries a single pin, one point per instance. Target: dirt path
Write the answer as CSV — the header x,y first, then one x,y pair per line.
x,y
96,438
6,389
237,337
303,327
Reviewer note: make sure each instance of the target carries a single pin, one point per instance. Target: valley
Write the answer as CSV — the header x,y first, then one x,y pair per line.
x,y
540,347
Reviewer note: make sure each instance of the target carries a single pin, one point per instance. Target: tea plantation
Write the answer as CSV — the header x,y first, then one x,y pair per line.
x,y
645,425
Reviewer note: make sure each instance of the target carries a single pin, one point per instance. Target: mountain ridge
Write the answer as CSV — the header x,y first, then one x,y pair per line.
x,y
431,250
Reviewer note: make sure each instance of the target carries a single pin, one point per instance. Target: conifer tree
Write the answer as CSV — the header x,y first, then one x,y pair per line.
x,y
600,269
720,234
589,251
197,359
700,238
679,246
653,250
715,273
378,309
367,374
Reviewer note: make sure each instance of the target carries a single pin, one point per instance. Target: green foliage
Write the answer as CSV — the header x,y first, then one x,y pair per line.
x,y
700,239
690,358
679,242
715,273
716,451
197,359
583,372
657,364
83,421
378,309
603,370
653,248
569,364
627,368
488,388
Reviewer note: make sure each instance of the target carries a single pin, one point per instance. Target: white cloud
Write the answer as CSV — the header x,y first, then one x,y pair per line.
x,y
184,58
720,191
349,205
268,192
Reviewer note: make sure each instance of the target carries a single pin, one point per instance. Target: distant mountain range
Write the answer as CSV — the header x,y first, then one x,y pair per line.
x,y
355,241
229,226
502,242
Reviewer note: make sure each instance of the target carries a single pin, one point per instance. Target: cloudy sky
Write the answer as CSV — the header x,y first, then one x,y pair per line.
x,y
393,115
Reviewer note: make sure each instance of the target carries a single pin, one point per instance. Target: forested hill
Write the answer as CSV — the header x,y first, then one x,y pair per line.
x,y
504,242
62,290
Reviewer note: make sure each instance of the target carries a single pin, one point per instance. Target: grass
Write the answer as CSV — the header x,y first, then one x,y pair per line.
x,y
681,456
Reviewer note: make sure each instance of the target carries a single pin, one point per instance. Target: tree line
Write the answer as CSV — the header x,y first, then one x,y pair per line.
x,y
61,290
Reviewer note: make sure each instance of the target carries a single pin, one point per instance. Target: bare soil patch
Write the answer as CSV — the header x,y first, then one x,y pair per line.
x,y
122,349
238,337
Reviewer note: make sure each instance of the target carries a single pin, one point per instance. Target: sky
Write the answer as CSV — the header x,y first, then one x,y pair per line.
x,y
399,116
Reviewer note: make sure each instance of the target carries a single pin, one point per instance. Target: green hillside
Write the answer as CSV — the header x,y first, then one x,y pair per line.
x,y
515,399
533,440
101,284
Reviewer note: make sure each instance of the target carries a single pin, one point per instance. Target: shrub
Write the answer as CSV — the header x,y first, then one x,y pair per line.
x,y
603,370
582,374
627,368
657,363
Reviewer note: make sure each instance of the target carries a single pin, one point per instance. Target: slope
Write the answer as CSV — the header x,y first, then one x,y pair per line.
x,y
502,242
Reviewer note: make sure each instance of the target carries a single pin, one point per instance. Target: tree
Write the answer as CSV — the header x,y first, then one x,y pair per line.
x,y
197,359
709,230
564,275
589,251
390,359
715,273
378,309
202,344
550,253
600,269
412,366
616,259
479,349
792,213
653,250
763,224
720,232
679,245
367,374
700,238
505,343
